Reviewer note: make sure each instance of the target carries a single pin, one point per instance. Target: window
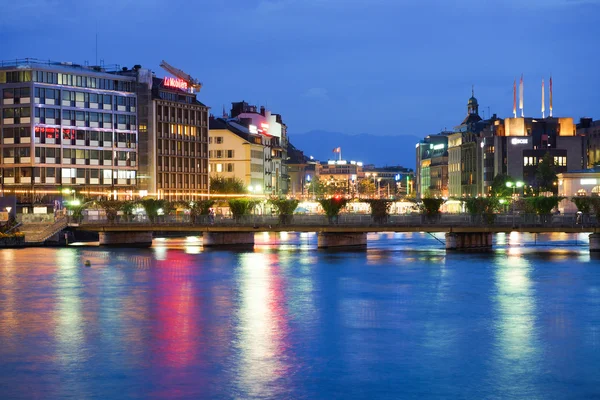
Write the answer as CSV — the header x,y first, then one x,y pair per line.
x,y
219,139
230,167
230,153
219,153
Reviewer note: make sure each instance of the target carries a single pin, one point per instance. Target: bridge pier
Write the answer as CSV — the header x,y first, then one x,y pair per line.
x,y
469,241
595,242
125,239
228,239
341,239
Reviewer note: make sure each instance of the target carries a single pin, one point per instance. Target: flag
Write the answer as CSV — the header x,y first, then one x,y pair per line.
x,y
337,150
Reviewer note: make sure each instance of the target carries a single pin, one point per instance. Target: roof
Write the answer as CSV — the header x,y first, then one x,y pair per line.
x,y
471,119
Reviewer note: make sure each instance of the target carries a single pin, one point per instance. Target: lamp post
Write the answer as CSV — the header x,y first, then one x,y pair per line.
x,y
514,186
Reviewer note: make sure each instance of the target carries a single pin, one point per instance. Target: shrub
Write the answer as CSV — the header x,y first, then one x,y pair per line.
x,y
333,206
543,205
285,208
241,207
431,206
380,210
584,204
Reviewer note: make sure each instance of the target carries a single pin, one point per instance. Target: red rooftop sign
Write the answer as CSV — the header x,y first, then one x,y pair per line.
x,y
175,83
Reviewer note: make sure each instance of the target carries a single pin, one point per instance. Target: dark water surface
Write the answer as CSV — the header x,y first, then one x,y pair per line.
x,y
402,320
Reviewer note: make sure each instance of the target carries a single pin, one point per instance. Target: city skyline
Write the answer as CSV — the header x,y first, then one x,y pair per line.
x,y
323,67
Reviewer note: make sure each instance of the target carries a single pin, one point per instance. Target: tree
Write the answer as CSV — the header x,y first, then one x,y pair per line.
x,y
584,204
241,207
222,185
430,206
199,207
153,206
499,188
366,187
543,205
483,207
380,210
333,206
545,175
285,208
111,208
315,187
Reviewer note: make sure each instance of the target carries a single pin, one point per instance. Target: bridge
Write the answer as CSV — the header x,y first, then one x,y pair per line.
x,y
462,232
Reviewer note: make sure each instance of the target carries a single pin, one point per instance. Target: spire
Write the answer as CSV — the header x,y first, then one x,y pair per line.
x,y
472,90
225,113
543,102
515,99
521,97
550,96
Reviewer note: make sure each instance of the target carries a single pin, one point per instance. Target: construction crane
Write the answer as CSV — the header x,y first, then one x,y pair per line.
x,y
192,83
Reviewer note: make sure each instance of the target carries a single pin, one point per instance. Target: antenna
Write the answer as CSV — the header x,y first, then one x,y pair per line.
x,y
96,43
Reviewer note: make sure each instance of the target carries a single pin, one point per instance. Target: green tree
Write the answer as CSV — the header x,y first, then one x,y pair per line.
x,y
285,208
499,188
153,206
366,187
380,210
333,206
199,208
222,185
241,207
543,205
583,204
545,175
315,187
111,208
482,207
430,206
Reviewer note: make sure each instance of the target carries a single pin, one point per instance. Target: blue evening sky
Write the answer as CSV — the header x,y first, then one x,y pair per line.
x,y
355,66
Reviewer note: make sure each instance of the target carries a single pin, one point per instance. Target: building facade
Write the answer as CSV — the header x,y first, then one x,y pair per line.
x,y
67,127
173,143
590,129
271,126
236,153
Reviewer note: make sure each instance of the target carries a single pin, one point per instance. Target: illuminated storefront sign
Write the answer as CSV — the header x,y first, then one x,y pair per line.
x,y
175,83
588,181
519,141
439,146
253,129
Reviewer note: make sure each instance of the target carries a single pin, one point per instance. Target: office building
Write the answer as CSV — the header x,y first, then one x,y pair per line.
x,y
67,127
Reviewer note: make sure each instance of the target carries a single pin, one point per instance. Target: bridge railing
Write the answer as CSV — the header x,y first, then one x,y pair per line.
x,y
498,220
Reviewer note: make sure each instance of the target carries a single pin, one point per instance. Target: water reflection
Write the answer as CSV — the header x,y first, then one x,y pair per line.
x,y
517,352
262,327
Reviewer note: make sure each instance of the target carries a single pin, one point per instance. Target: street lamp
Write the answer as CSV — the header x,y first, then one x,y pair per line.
x,y
514,186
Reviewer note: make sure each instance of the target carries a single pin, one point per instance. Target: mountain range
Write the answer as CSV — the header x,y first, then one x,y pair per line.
x,y
370,149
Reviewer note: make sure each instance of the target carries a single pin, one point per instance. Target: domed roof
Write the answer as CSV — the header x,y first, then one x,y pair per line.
x,y
472,100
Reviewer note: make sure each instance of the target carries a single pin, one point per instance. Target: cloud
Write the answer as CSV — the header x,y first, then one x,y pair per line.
x,y
317,93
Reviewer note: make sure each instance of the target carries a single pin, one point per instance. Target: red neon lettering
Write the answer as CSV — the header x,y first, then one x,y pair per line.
x,y
175,83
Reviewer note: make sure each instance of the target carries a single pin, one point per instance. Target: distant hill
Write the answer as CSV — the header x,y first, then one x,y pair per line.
x,y
370,149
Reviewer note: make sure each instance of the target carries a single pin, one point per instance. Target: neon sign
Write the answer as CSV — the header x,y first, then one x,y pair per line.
x,y
519,141
175,83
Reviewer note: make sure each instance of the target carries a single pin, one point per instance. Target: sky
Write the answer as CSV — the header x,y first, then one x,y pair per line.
x,y
383,67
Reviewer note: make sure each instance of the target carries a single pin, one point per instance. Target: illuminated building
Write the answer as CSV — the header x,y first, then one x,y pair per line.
x,y
518,145
67,126
239,152
298,168
577,183
396,180
272,126
173,143
432,166
591,131
341,175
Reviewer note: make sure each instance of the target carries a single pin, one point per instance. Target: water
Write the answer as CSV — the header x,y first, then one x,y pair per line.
x,y
285,321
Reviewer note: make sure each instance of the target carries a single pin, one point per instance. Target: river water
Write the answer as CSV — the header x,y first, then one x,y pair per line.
x,y
401,320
